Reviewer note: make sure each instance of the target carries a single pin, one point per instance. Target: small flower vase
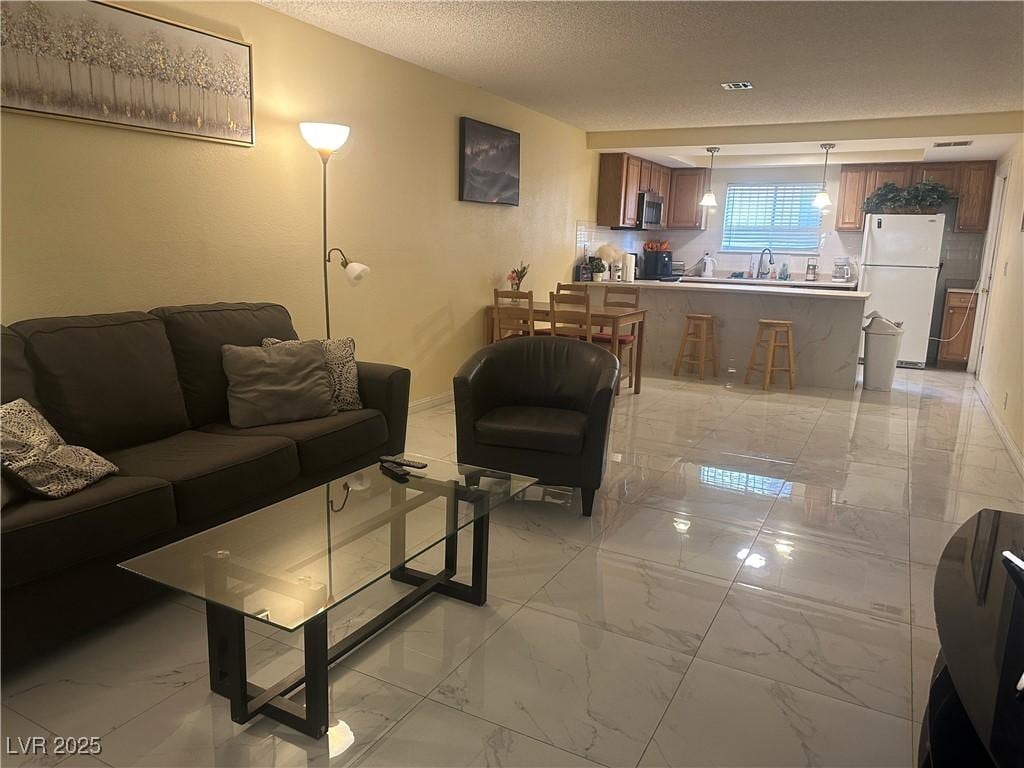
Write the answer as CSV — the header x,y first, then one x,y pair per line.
x,y
515,285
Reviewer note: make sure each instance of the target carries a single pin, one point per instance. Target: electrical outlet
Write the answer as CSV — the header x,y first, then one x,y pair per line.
x,y
1006,396
1005,265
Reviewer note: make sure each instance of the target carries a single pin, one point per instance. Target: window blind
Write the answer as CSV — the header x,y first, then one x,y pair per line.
x,y
777,216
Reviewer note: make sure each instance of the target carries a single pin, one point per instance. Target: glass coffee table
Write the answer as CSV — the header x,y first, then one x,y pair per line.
x,y
287,564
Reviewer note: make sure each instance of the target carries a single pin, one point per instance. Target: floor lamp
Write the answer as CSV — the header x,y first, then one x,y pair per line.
x,y
326,139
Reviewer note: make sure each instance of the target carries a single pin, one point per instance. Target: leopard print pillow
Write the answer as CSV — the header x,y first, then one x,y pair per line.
x,y
33,452
340,356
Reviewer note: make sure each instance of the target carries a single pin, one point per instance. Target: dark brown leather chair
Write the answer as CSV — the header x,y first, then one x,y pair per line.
x,y
538,406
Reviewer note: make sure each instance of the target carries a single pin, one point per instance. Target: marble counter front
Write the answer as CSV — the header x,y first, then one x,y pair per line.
x,y
826,326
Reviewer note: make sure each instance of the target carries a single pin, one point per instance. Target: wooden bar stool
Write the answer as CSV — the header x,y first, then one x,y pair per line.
x,y
699,329
769,333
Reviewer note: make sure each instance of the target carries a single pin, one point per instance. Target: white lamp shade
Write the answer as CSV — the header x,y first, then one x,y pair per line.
x,y
709,200
324,137
355,272
822,201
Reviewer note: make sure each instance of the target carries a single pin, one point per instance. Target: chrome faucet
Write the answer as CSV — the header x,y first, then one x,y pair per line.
x,y
760,263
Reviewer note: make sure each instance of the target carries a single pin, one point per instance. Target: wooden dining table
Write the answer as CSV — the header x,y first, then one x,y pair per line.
x,y
615,318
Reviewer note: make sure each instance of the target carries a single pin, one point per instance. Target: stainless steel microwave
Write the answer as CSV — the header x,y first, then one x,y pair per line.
x,y
648,211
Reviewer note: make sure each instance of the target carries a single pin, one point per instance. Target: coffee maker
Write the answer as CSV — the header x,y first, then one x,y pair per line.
x,y
656,264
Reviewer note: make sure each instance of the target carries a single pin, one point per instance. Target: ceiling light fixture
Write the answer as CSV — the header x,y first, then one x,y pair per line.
x,y
709,201
821,200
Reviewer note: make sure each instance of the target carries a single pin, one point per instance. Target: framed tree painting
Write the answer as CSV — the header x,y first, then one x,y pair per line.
x,y
488,163
98,62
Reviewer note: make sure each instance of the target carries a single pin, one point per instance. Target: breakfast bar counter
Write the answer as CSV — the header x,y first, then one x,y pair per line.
x,y
826,325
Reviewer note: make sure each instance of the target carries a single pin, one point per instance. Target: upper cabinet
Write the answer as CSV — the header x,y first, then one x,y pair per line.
x,y
946,174
853,184
617,184
620,177
685,191
972,209
661,182
899,174
971,182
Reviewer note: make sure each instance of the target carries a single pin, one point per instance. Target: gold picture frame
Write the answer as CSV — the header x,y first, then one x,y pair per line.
x,y
97,62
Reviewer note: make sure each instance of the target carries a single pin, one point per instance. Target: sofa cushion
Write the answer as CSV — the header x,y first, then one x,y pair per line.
x,y
34,454
16,379
340,358
275,385
42,536
197,332
327,442
534,428
212,474
105,381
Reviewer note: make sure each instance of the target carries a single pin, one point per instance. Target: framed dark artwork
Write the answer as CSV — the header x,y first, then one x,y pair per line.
x,y
488,163
96,62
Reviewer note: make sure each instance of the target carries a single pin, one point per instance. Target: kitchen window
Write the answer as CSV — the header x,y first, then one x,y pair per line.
x,y
777,216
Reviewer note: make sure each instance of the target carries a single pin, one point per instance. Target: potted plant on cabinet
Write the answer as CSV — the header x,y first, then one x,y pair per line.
x,y
925,197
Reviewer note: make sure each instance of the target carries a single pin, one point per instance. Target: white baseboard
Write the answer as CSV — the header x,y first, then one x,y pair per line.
x,y
1015,453
426,403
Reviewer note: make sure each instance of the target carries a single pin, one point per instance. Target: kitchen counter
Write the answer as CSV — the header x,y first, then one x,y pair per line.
x,y
826,325
765,287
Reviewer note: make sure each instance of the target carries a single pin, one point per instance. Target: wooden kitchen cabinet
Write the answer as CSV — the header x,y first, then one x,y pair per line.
x,y
946,174
660,183
645,175
958,327
617,185
971,182
900,174
972,208
620,177
686,188
853,183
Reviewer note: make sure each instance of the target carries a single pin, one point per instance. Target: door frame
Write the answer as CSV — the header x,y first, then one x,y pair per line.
x,y
988,264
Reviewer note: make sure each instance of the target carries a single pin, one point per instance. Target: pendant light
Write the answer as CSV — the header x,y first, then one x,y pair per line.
x,y
709,201
821,200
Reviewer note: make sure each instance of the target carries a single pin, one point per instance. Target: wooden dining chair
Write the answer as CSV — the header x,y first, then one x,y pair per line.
x,y
627,297
571,288
513,314
570,315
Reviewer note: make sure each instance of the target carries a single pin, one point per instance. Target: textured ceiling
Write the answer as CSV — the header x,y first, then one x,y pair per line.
x,y
625,65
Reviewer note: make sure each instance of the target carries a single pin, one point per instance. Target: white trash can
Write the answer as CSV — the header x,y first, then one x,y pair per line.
x,y
882,339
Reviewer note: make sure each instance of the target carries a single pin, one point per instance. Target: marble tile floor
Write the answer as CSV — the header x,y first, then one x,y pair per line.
x,y
753,589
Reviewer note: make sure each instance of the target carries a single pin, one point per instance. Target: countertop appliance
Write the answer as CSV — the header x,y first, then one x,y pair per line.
x,y
899,265
656,264
648,211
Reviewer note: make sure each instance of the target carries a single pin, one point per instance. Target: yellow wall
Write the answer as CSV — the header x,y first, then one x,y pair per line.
x,y
97,219
1002,363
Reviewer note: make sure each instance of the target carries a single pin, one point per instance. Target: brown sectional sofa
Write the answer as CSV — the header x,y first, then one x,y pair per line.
x,y
147,390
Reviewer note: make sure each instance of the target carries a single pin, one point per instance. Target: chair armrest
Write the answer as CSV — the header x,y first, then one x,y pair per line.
x,y
599,411
474,396
386,388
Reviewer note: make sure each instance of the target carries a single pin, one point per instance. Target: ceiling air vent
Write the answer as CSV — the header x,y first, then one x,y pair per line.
x,y
737,86
953,143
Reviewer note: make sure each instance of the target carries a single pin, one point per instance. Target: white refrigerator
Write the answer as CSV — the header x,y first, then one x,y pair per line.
x,y
899,265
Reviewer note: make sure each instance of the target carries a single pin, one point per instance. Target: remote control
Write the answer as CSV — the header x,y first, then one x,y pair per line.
x,y
403,462
394,475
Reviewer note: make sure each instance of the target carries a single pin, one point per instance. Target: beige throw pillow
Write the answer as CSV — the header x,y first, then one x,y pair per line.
x,y
36,456
341,366
273,385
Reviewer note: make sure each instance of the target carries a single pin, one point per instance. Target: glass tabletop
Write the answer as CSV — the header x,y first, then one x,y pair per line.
x,y
287,562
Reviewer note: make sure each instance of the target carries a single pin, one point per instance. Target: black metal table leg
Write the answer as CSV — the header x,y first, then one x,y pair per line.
x,y
225,633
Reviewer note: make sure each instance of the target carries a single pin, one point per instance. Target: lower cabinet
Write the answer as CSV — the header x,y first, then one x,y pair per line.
x,y
958,328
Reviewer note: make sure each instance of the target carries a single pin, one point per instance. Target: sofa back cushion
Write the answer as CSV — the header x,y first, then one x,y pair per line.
x,y
198,331
16,379
105,381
